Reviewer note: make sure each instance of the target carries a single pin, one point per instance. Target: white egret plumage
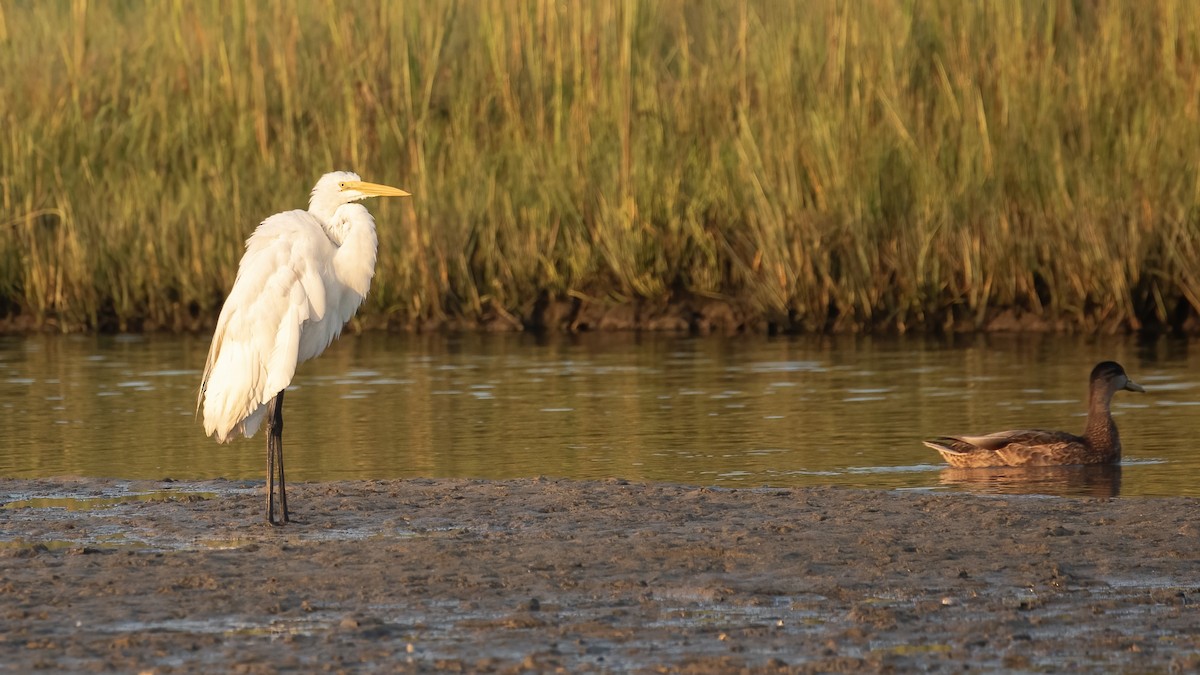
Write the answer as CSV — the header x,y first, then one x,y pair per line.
x,y
303,276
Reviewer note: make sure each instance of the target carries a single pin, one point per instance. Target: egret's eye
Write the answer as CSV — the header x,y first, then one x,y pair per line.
x,y
342,186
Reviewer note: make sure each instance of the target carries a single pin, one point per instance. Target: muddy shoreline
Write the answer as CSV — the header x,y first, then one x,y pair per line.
x,y
543,575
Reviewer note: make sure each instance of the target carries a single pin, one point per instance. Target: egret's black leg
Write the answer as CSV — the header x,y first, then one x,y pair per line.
x,y
275,460
278,429
271,467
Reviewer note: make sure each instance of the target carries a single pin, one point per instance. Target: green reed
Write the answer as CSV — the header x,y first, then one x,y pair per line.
x,y
827,165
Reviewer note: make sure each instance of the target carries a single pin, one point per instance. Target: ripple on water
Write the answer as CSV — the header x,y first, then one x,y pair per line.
x,y
840,411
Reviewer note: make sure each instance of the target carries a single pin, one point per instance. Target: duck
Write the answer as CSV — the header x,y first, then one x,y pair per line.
x,y
1099,443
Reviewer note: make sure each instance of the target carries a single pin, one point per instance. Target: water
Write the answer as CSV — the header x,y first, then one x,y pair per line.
x,y
754,411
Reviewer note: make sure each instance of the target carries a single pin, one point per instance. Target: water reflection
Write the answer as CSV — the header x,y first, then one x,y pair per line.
x,y
751,411
1064,481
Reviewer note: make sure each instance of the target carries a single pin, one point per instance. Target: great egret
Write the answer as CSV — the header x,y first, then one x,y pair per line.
x,y
303,276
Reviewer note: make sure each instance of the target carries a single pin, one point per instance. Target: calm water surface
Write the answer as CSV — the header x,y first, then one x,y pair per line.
x,y
730,412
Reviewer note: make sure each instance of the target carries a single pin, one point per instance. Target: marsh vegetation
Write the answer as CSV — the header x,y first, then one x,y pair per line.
x,y
814,166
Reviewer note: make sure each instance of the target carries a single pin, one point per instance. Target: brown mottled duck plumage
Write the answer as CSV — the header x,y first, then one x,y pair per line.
x,y
1099,443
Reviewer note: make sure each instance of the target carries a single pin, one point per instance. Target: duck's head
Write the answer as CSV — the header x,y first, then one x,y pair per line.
x,y
1111,377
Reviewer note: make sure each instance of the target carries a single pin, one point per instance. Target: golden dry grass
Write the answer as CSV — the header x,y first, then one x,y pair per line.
x,y
825,164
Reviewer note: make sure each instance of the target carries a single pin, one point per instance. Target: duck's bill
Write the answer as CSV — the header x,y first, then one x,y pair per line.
x,y
1130,385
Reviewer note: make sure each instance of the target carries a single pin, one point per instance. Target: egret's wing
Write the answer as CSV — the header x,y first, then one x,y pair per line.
x,y
279,287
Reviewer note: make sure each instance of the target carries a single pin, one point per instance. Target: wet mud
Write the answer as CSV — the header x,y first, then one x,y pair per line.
x,y
542,575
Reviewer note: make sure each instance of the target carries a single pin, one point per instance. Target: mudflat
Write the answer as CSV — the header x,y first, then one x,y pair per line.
x,y
548,575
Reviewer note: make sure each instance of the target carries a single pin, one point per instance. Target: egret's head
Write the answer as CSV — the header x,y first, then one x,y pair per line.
x,y
343,187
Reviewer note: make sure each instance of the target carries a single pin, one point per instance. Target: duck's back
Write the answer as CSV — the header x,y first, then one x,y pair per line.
x,y
1022,447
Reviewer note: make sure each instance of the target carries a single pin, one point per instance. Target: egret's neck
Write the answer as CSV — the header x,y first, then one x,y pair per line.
x,y
323,208
352,229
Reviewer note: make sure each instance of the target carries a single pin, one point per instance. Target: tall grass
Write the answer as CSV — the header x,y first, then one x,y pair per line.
x,y
827,164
